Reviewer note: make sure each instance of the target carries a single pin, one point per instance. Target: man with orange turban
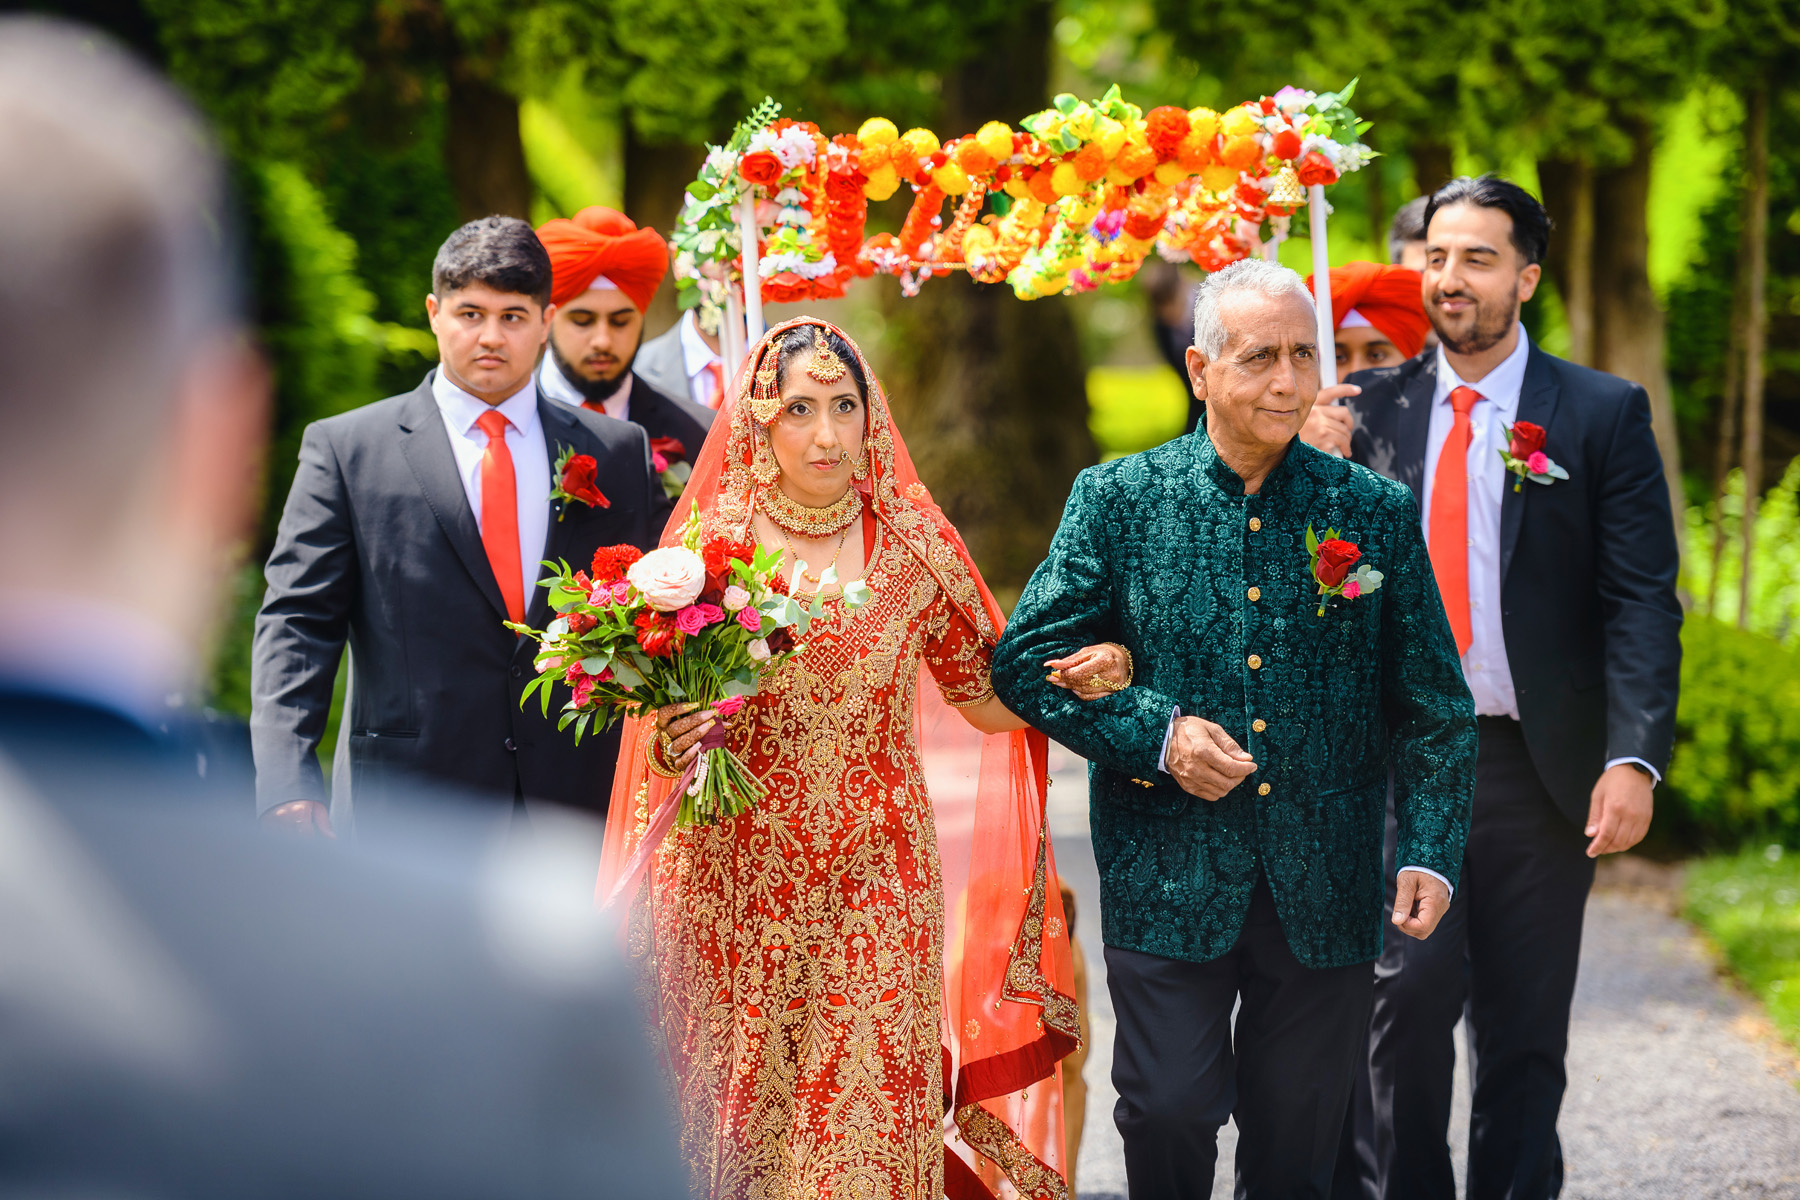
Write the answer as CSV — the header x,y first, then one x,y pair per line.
x,y
606,271
1380,315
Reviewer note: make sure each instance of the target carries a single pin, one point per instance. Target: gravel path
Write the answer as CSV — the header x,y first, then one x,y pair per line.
x,y
1675,1090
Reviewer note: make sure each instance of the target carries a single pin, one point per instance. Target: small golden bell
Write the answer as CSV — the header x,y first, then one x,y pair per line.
x,y
1287,190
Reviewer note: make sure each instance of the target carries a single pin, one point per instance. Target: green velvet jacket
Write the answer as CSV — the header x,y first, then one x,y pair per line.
x,y
1212,592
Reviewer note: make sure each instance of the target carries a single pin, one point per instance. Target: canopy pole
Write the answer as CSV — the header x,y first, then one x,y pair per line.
x,y
747,231
1321,255
731,335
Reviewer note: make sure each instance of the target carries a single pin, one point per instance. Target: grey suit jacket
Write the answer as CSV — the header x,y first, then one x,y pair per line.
x,y
659,363
378,548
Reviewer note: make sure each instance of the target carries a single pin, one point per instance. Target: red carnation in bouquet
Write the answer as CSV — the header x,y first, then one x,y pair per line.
x,y
681,623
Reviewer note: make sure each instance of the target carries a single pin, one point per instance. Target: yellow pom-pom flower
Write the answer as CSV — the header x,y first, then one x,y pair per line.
x,y
1110,135
1065,180
1172,173
922,141
1017,188
1239,122
882,183
877,131
996,138
1203,122
951,179
1218,177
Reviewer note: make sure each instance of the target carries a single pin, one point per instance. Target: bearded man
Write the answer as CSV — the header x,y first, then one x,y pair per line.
x,y
607,270
1552,541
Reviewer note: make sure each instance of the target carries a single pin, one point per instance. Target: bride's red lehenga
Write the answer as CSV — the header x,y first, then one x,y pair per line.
x,y
795,958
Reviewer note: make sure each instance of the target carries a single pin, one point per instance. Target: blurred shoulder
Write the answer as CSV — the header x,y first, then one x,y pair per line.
x,y
1594,387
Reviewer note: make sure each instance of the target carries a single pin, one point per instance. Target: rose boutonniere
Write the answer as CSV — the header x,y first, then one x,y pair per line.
x,y
668,458
1524,455
1332,559
573,479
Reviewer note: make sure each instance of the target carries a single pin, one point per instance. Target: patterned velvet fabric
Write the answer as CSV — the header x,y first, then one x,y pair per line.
x,y
1160,552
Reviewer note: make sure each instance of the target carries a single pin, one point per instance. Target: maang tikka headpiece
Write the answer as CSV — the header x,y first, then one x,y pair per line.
x,y
826,366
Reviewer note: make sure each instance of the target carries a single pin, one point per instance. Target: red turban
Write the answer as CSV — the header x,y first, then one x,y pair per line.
x,y
1388,296
603,242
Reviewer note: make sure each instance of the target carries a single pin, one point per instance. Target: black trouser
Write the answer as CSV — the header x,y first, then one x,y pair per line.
x,y
1505,955
1297,1044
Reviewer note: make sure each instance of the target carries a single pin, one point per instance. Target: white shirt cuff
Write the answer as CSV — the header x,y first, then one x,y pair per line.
x,y
1162,760
1450,887
1655,775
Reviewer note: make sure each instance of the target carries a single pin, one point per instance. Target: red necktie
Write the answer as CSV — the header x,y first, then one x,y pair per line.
x,y
1449,542
718,378
500,514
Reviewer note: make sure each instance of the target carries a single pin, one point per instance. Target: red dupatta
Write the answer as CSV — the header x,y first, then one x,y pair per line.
x,y
1008,1013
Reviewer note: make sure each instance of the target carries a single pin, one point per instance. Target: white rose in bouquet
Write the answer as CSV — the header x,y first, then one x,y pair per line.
x,y
668,579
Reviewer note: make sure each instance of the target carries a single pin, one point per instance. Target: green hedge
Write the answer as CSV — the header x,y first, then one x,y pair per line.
x,y
1735,777
1749,903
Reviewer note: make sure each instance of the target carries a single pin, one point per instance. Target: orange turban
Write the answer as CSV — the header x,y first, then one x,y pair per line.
x,y
602,243
1388,296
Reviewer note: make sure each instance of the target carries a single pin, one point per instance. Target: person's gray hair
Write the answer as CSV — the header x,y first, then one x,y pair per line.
x,y
114,236
1249,275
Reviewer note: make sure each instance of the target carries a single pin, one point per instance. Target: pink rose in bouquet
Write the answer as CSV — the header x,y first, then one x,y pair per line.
x,y
668,579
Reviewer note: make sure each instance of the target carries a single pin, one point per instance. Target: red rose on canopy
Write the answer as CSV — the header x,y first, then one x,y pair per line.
x,y
578,481
1527,439
760,167
1336,557
1316,168
1287,144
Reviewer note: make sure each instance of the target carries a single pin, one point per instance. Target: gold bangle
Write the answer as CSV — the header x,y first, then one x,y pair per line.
x,y
655,756
1130,667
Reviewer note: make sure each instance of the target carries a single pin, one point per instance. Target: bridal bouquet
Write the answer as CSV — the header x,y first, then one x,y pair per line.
x,y
692,622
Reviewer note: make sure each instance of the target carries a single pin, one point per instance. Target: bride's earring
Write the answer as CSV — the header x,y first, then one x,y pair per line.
x,y
762,461
861,470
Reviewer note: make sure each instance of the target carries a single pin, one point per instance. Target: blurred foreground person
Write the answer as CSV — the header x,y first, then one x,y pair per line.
x,y
1380,322
1406,237
1547,516
190,1008
607,269
415,529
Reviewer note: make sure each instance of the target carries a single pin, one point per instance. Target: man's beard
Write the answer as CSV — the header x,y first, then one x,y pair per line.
x,y
597,390
1488,330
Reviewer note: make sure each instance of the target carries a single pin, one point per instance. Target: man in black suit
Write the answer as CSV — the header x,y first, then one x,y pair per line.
x,y
190,1007
607,271
1559,579
414,530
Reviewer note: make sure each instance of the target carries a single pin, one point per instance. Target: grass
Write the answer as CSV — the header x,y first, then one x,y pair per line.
x,y
1134,408
1749,904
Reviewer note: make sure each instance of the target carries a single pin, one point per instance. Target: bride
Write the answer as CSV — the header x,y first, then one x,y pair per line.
x,y
837,1022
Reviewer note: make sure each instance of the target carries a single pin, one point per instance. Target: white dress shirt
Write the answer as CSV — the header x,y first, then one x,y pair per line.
x,y
556,385
531,463
1485,666
696,357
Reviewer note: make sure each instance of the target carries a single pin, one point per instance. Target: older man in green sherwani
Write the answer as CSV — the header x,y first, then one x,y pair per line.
x,y
1293,662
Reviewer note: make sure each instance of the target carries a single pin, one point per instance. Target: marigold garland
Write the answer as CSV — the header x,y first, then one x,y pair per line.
x,y
1080,194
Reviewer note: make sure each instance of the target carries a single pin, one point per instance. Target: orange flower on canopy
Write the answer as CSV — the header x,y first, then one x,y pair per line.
x,y
1135,161
974,160
760,167
1316,168
1287,145
1144,222
1195,153
1090,162
904,159
1042,187
1164,128
1241,152
873,158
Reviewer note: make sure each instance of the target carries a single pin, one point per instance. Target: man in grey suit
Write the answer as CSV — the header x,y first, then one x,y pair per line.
x,y
414,530
684,360
190,1007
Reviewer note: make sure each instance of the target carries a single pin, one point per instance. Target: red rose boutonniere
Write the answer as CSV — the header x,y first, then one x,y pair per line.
x,y
1332,559
668,459
1524,456
573,479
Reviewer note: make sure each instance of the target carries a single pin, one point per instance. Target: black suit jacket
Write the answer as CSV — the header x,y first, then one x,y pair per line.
x,y
663,415
378,546
1587,564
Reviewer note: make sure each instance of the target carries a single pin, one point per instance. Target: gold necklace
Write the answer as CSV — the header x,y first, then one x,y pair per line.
x,y
793,517
798,563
